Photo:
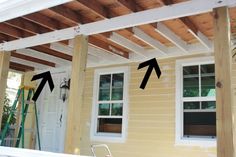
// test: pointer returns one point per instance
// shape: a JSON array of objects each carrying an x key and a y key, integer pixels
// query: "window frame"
[
  {"x": 109, "y": 137},
  {"x": 179, "y": 134}
]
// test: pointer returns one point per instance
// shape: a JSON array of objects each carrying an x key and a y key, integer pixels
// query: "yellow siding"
[{"x": 151, "y": 124}]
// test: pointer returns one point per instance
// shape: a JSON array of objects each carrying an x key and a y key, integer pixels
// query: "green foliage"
[{"x": 6, "y": 113}]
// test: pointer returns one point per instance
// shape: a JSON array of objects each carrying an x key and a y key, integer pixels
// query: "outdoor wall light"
[{"x": 64, "y": 89}]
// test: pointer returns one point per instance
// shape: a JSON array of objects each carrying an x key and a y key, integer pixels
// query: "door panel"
[{"x": 53, "y": 116}]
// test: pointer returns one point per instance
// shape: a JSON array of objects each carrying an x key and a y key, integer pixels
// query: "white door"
[{"x": 52, "y": 116}]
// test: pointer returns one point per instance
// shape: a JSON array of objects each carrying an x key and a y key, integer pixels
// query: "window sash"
[
  {"x": 109, "y": 102},
  {"x": 194, "y": 99},
  {"x": 200, "y": 75}
]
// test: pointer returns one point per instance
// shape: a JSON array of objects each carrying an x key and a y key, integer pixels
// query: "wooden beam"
[
  {"x": 28, "y": 26},
  {"x": 224, "y": 101},
  {"x": 101, "y": 44},
  {"x": 52, "y": 52},
  {"x": 73, "y": 17},
  {"x": 15, "y": 66},
  {"x": 59, "y": 61},
  {"x": 4, "y": 68},
  {"x": 94, "y": 7},
  {"x": 33, "y": 59},
  {"x": 73, "y": 130},
  {"x": 192, "y": 28},
  {"x": 11, "y": 31},
  {"x": 59, "y": 17},
  {"x": 69, "y": 14},
  {"x": 45, "y": 21}
]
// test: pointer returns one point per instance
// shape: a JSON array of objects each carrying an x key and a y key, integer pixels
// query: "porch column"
[
  {"x": 4, "y": 68},
  {"x": 73, "y": 130},
  {"x": 224, "y": 101}
]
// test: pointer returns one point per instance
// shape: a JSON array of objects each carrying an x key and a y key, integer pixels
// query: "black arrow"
[
  {"x": 152, "y": 63},
  {"x": 46, "y": 76}
]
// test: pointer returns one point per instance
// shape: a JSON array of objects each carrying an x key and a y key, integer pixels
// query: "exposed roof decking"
[{"x": 146, "y": 38}]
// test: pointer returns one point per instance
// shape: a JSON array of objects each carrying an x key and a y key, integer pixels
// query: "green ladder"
[{"x": 24, "y": 111}]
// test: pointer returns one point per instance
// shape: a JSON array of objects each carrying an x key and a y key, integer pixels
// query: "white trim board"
[
  {"x": 16, "y": 8},
  {"x": 178, "y": 10}
]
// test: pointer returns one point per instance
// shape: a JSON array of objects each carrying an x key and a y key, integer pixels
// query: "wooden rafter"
[
  {"x": 59, "y": 17},
  {"x": 20, "y": 67},
  {"x": 104, "y": 13},
  {"x": 94, "y": 6},
  {"x": 28, "y": 26},
  {"x": 191, "y": 27},
  {"x": 159, "y": 14},
  {"x": 32, "y": 59},
  {"x": 49, "y": 51},
  {"x": 72, "y": 16},
  {"x": 45, "y": 21},
  {"x": 130, "y": 5},
  {"x": 69, "y": 14}
]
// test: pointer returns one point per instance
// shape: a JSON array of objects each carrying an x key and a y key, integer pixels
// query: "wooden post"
[
  {"x": 73, "y": 131},
  {"x": 223, "y": 65},
  {"x": 4, "y": 68}
]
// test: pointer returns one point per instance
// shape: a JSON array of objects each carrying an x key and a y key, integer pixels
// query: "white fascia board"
[
  {"x": 171, "y": 36},
  {"x": 178, "y": 10},
  {"x": 11, "y": 9},
  {"x": 37, "y": 66},
  {"x": 202, "y": 39},
  {"x": 58, "y": 61},
  {"x": 138, "y": 33},
  {"x": 118, "y": 39}
]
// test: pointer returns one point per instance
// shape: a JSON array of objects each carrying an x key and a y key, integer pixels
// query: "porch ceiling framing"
[{"x": 143, "y": 17}]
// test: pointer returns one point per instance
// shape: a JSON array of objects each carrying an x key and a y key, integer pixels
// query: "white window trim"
[
  {"x": 179, "y": 139},
  {"x": 110, "y": 137}
]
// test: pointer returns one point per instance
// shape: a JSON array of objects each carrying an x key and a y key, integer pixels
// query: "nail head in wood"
[{"x": 219, "y": 84}]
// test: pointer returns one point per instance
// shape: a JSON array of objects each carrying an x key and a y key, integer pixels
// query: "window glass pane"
[
  {"x": 190, "y": 81},
  {"x": 191, "y": 105},
  {"x": 109, "y": 125},
  {"x": 208, "y": 80},
  {"x": 104, "y": 109},
  {"x": 117, "y": 94},
  {"x": 117, "y": 109},
  {"x": 104, "y": 87},
  {"x": 208, "y": 105},
  {"x": 200, "y": 123},
  {"x": 117, "y": 86}
]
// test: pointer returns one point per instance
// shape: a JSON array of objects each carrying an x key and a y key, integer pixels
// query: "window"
[
  {"x": 195, "y": 100},
  {"x": 109, "y": 119}
]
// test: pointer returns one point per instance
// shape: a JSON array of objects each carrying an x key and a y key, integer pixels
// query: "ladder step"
[
  {"x": 27, "y": 102},
  {"x": 29, "y": 130},
  {"x": 11, "y": 138}
]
